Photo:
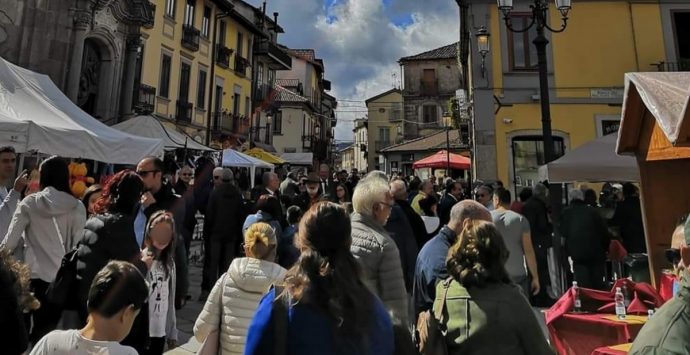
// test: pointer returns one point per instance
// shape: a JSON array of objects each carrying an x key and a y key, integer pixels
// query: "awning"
[
  {"x": 233, "y": 158},
  {"x": 267, "y": 147},
  {"x": 306, "y": 159},
  {"x": 264, "y": 155},
  {"x": 151, "y": 127},
  {"x": 442, "y": 159}
]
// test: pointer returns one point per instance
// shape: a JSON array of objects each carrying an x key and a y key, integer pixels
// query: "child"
[
  {"x": 116, "y": 296},
  {"x": 159, "y": 242}
]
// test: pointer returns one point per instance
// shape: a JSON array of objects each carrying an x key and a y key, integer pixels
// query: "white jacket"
[{"x": 241, "y": 287}]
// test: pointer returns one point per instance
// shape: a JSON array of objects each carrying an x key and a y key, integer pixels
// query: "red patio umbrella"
[{"x": 440, "y": 160}]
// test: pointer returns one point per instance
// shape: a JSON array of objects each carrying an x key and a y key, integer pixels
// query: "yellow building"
[
  {"x": 385, "y": 119},
  {"x": 603, "y": 40},
  {"x": 175, "y": 63}
]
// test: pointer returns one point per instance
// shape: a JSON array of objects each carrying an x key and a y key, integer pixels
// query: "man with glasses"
[
  {"x": 184, "y": 178},
  {"x": 484, "y": 194},
  {"x": 667, "y": 331},
  {"x": 9, "y": 199},
  {"x": 159, "y": 196}
]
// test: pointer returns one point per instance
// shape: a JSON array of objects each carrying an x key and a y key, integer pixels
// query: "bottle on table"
[
  {"x": 620, "y": 303},
  {"x": 577, "y": 303},
  {"x": 650, "y": 313}
]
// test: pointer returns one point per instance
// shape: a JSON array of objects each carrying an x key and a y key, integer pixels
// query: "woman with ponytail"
[
  {"x": 328, "y": 308},
  {"x": 236, "y": 294},
  {"x": 483, "y": 311}
]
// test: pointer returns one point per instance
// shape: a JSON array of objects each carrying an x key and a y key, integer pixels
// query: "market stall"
[
  {"x": 152, "y": 127},
  {"x": 35, "y": 116},
  {"x": 233, "y": 158},
  {"x": 265, "y": 156}
]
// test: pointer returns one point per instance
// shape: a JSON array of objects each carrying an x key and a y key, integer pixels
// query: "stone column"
[
  {"x": 82, "y": 20},
  {"x": 133, "y": 43}
]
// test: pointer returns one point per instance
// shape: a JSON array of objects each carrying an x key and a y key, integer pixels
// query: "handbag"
[
  {"x": 63, "y": 290},
  {"x": 431, "y": 332},
  {"x": 211, "y": 345}
]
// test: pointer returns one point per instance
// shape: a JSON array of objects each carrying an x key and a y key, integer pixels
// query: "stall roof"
[
  {"x": 36, "y": 116},
  {"x": 151, "y": 127},
  {"x": 234, "y": 158},
  {"x": 298, "y": 158}
]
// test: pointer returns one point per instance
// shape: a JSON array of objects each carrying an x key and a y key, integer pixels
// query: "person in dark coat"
[
  {"x": 400, "y": 230},
  {"x": 399, "y": 192},
  {"x": 326, "y": 183},
  {"x": 586, "y": 241},
  {"x": 222, "y": 228},
  {"x": 628, "y": 217},
  {"x": 185, "y": 190},
  {"x": 109, "y": 235},
  {"x": 536, "y": 212},
  {"x": 452, "y": 195},
  {"x": 161, "y": 196},
  {"x": 15, "y": 299},
  {"x": 312, "y": 194}
]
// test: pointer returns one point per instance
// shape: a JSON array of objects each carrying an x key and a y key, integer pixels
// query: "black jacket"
[
  {"x": 628, "y": 216},
  {"x": 13, "y": 337},
  {"x": 416, "y": 222},
  {"x": 585, "y": 232},
  {"x": 537, "y": 214},
  {"x": 303, "y": 201},
  {"x": 444, "y": 206},
  {"x": 400, "y": 230},
  {"x": 222, "y": 221}
]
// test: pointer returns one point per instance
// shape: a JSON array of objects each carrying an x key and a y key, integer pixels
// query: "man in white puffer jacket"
[{"x": 235, "y": 296}]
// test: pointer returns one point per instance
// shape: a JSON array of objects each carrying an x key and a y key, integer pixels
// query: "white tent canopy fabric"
[
  {"x": 298, "y": 158},
  {"x": 233, "y": 158},
  {"x": 594, "y": 161},
  {"x": 151, "y": 127},
  {"x": 36, "y": 116}
]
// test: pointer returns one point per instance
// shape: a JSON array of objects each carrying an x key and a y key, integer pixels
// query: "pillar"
[
  {"x": 82, "y": 20},
  {"x": 133, "y": 43}
]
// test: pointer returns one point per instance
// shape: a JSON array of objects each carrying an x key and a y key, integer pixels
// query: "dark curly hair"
[{"x": 479, "y": 256}]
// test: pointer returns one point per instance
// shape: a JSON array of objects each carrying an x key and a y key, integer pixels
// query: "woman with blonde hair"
[
  {"x": 236, "y": 295},
  {"x": 478, "y": 296}
]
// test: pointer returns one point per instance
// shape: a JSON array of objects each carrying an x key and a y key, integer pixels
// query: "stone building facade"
[{"x": 87, "y": 47}]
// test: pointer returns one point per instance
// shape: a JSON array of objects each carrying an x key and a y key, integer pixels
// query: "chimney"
[{"x": 275, "y": 21}]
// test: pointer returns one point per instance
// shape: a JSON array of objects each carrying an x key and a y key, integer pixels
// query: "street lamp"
[
  {"x": 317, "y": 131},
  {"x": 483, "y": 45},
  {"x": 269, "y": 122},
  {"x": 539, "y": 19}
]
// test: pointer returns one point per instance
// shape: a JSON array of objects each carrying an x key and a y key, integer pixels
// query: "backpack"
[
  {"x": 431, "y": 332},
  {"x": 63, "y": 291}
]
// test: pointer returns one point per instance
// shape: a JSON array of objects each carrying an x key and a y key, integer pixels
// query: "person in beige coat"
[{"x": 236, "y": 295}]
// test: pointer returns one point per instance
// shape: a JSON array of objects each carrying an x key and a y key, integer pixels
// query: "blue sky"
[{"x": 361, "y": 41}]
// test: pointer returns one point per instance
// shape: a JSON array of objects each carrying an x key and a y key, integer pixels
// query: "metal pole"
[
  {"x": 540, "y": 42},
  {"x": 448, "y": 151}
]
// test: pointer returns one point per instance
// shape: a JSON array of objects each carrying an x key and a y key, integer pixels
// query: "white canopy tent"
[
  {"x": 36, "y": 116},
  {"x": 234, "y": 158},
  {"x": 593, "y": 161},
  {"x": 305, "y": 159},
  {"x": 151, "y": 127}
]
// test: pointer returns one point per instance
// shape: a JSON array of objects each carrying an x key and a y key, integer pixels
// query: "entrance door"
[
  {"x": 87, "y": 97},
  {"x": 528, "y": 156}
]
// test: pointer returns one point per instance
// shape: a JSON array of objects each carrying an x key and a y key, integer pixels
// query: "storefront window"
[{"x": 528, "y": 156}]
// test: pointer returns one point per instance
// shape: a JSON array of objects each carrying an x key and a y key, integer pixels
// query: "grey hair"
[
  {"x": 468, "y": 209},
  {"x": 376, "y": 174},
  {"x": 227, "y": 175},
  {"x": 367, "y": 193},
  {"x": 398, "y": 189},
  {"x": 218, "y": 170},
  {"x": 576, "y": 194},
  {"x": 540, "y": 190}
]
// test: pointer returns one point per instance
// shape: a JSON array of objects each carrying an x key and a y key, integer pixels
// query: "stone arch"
[{"x": 108, "y": 50}]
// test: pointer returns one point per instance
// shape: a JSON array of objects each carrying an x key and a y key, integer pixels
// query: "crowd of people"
[{"x": 317, "y": 263}]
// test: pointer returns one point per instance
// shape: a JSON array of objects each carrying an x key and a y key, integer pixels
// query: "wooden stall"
[{"x": 655, "y": 128}]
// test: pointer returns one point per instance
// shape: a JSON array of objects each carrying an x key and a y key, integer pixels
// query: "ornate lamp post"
[{"x": 540, "y": 9}]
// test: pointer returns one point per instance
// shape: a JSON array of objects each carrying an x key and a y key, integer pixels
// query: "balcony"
[
  {"x": 223, "y": 54},
  {"x": 184, "y": 111},
  {"x": 152, "y": 7},
  {"x": 428, "y": 88},
  {"x": 276, "y": 58},
  {"x": 144, "y": 99},
  {"x": 190, "y": 38},
  {"x": 683, "y": 65},
  {"x": 241, "y": 65},
  {"x": 262, "y": 92}
]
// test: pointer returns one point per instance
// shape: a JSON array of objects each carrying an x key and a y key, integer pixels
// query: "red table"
[{"x": 581, "y": 334}]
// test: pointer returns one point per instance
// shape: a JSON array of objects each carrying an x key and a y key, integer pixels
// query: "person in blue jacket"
[{"x": 330, "y": 309}]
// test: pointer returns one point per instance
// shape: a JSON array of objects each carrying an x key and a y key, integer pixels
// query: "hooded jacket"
[
  {"x": 234, "y": 300},
  {"x": 37, "y": 216}
]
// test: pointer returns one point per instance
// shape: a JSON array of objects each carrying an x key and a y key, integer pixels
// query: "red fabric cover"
[
  {"x": 605, "y": 350},
  {"x": 581, "y": 334},
  {"x": 617, "y": 251},
  {"x": 666, "y": 286}
]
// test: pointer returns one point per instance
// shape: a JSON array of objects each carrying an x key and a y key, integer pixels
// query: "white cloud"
[{"x": 360, "y": 44}]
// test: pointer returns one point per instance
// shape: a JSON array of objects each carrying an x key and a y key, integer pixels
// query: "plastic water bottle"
[
  {"x": 576, "y": 294},
  {"x": 620, "y": 304},
  {"x": 650, "y": 313}
]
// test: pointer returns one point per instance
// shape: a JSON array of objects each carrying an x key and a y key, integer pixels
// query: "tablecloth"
[
  {"x": 581, "y": 334},
  {"x": 613, "y": 350},
  {"x": 665, "y": 286}
]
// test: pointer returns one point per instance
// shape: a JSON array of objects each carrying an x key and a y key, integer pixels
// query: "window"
[
  {"x": 185, "y": 71},
  {"x": 260, "y": 74},
  {"x": 189, "y": 13},
  {"x": 221, "y": 33},
  {"x": 278, "y": 122},
  {"x": 271, "y": 77},
  {"x": 247, "y": 105},
  {"x": 240, "y": 43},
  {"x": 164, "y": 85},
  {"x": 523, "y": 54},
  {"x": 681, "y": 30},
  {"x": 528, "y": 156},
  {"x": 384, "y": 134},
  {"x": 201, "y": 90},
  {"x": 206, "y": 22},
  {"x": 170, "y": 8},
  {"x": 429, "y": 114}
]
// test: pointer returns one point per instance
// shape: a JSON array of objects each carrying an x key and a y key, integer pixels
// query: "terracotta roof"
[
  {"x": 285, "y": 95},
  {"x": 433, "y": 141},
  {"x": 382, "y": 95},
  {"x": 446, "y": 52}
]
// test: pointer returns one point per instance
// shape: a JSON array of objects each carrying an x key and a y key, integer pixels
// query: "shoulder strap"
[
  {"x": 438, "y": 312},
  {"x": 280, "y": 320},
  {"x": 62, "y": 241}
]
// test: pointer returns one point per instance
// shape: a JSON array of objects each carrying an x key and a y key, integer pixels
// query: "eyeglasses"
[
  {"x": 390, "y": 205},
  {"x": 672, "y": 255},
  {"x": 216, "y": 177},
  {"x": 143, "y": 173}
]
